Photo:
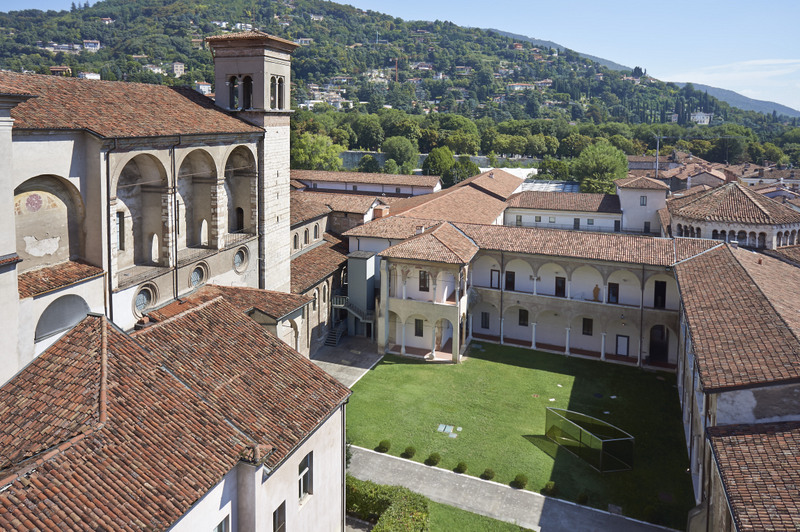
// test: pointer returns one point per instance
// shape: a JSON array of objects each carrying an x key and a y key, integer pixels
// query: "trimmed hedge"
[{"x": 395, "y": 508}]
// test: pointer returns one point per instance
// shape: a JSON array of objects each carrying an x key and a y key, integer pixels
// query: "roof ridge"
[
  {"x": 752, "y": 197},
  {"x": 433, "y": 233},
  {"x": 196, "y": 308},
  {"x": 675, "y": 250}
]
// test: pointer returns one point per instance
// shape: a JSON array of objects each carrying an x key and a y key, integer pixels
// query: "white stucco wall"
[
  {"x": 209, "y": 511},
  {"x": 561, "y": 219}
]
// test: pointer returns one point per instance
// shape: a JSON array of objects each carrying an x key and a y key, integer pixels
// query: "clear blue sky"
[{"x": 746, "y": 46}]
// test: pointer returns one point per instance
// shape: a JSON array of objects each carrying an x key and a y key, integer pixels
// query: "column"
[
  {"x": 433, "y": 276},
  {"x": 404, "y": 287},
  {"x": 501, "y": 330},
  {"x": 433, "y": 340},
  {"x": 603, "y": 346},
  {"x": 533, "y": 335},
  {"x": 535, "y": 281},
  {"x": 566, "y": 348},
  {"x": 403, "y": 340},
  {"x": 569, "y": 289},
  {"x": 605, "y": 292},
  {"x": 383, "y": 308},
  {"x": 470, "y": 325},
  {"x": 457, "y": 339}
]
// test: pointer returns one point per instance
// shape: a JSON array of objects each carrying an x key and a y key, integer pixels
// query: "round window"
[
  {"x": 240, "y": 260},
  {"x": 144, "y": 298},
  {"x": 198, "y": 276}
]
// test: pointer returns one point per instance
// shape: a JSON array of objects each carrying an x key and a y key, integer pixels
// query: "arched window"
[
  {"x": 247, "y": 93},
  {"x": 233, "y": 93},
  {"x": 305, "y": 237},
  {"x": 239, "y": 218},
  {"x": 281, "y": 104},
  {"x": 296, "y": 241},
  {"x": 316, "y": 231},
  {"x": 60, "y": 315},
  {"x": 273, "y": 92}
]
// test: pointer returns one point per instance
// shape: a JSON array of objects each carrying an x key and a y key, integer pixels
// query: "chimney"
[
  {"x": 734, "y": 244},
  {"x": 420, "y": 229},
  {"x": 689, "y": 182},
  {"x": 381, "y": 211},
  {"x": 491, "y": 175}
]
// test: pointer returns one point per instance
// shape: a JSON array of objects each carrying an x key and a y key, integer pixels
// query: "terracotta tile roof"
[
  {"x": 691, "y": 170},
  {"x": 339, "y": 202},
  {"x": 304, "y": 208},
  {"x": 737, "y": 170},
  {"x": 245, "y": 374},
  {"x": 401, "y": 205},
  {"x": 316, "y": 264},
  {"x": 695, "y": 189},
  {"x": 465, "y": 204},
  {"x": 664, "y": 218},
  {"x": 253, "y": 36},
  {"x": 725, "y": 287},
  {"x": 443, "y": 243},
  {"x": 641, "y": 183},
  {"x": 43, "y": 280},
  {"x": 565, "y": 201},
  {"x": 760, "y": 470},
  {"x": 296, "y": 185},
  {"x": 393, "y": 227},
  {"x": 390, "y": 180},
  {"x": 772, "y": 173},
  {"x": 733, "y": 203},
  {"x": 496, "y": 182},
  {"x": 274, "y": 304},
  {"x": 786, "y": 253},
  {"x": 117, "y": 109},
  {"x": 615, "y": 247},
  {"x": 641, "y": 159}
]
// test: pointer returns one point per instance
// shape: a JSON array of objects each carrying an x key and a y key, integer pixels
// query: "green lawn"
[
  {"x": 498, "y": 397},
  {"x": 447, "y": 518}
]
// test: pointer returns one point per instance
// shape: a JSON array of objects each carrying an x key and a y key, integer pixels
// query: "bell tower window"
[
  {"x": 233, "y": 94},
  {"x": 281, "y": 104},
  {"x": 247, "y": 93},
  {"x": 273, "y": 92}
]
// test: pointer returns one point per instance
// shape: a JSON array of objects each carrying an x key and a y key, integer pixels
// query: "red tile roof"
[
  {"x": 641, "y": 183},
  {"x": 43, "y": 280},
  {"x": 686, "y": 171},
  {"x": 274, "y": 304},
  {"x": 116, "y": 108},
  {"x": 339, "y": 201},
  {"x": 499, "y": 183},
  {"x": 304, "y": 208},
  {"x": 253, "y": 36},
  {"x": 390, "y": 180},
  {"x": 760, "y": 470},
  {"x": 616, "y": 247},
  {"x": 733, "y": 203},
  {"x": 393, "y": 227},
  {"x": 316, "y": 264},
  {"x": 565, "y": 201},
  {"x": 101, "y": 431},
  {"x": 464, "y": 204},
  {"x": 724, "y": 289},
  {"x": 443, "y": 243},
  {"x": 786, "y": 253}
]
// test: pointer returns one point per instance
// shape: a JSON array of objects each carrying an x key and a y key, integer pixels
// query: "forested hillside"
[{"x": 466, "y": 89}]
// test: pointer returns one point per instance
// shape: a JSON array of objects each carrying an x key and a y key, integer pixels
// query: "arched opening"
[
  {"x": 61, "y": 315},
  {"x": 247, "y": 92},
  {"x": 48, "y": 221},
  {"x": 762, "y": 240},
  {"x": 142, "y": 199},
  {"x": 517, "y": 325},
  {"x": 233, "y": 93},
  {"x": 680, "y": 230},
  {"x": 518, "y": 276},
  {"x": 792, "y": 237},
  {"x": 197, "y": 178},
  {"x": 241, "y": 187},
  {"x": 715, "y": 234},
  {"x": 273, "y": 92},
  {"x": 751, "y": 240},
  {"x": 551, "y": 330},
  {"x": 586, "y": 335},
  {"x": 661, "y": 292},
  {"x": 741, "y": 237},
  {"x": 316, "y": 231},
  {"x": 552, "y": 280},
  {"x": 305, "y": 237},
  {"x": 485, "y": 321},
  {"x": 296, "y": 241},
  {"x": 587, "y": 284},
  {"x": 443, "y": 336},
  {"x": 624, "y": 288},
  {"x": 281, "y": 91},
  {"x": 698, "y": 233},
  {"x": 204, "y": 232},
  {"x": 486, "y": 273},
  {"x": 419, "y": 333}
]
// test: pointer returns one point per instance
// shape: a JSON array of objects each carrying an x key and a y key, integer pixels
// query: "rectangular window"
[
  {"x": 537, "y": 218},
  {"x": 518, "y": 220},
  {"x": 419, "y": 328},
  {"x": 494, "y": 279},
  {"x": 552, "y": 220},
  {"x": 424, "y": 285},
  {"x": 590, "y": 221},
  {"x": 660, "y": 294},
  {"x": 642, "y": 200},
  {"x": 397, "y": 190},
  {"x": 588, "y": 326},
  {"x": 120, "y": 231},
  {"x": 484, "y": 320},
  {"x": 510, "y": 281},
  {"x": 305, "y": 472},
  {"x": 576, "y": 224},
  {"x": 224, "y": 525},
  {"x": 355, "y": 187},
  {"x": 613, "y": 293},
  {"x": 561, "y": 287},
  {"x": 616, "y": 226},
  {"x": 279, "y": 518},
  {"x": 523, "y": 317},
  {"x": 647, "y": 227}
]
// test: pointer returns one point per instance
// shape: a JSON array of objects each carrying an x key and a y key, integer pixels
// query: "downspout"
[
  {"x": 261, "y": 222},
  {"x": 502, "y": 291},
  {"x": 175, "y": 218},
  {"x": 641, "y": 320},
  {"x": 344, "y": 463},
  {"x": 109, "y": 275}
]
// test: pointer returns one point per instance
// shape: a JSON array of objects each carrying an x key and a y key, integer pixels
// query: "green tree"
[
  {"x": 462, "y": 169},
  {"x": 369, "y": 132},
  {"x": 390, "y": 167},
  {"x": 550, "y": 168},
  {"x": 369, "y": 164},
  {"x": 439, "y": 161},
  {"x": 315, "y": 152},
  {"x": 598, "y": 166},
  {"x": 401, "y": 150}
]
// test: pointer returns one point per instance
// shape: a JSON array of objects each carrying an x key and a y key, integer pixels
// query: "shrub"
[
  {"x": 409, "y": 452},
  {"x": 433, "y": 459},
  {"x": 583, "y": 498},
  {"x": 519, "y": 482},
  {"x": 488, "y": 474},
  {"x": 383, "y": 446},
  {"x": 394, "y": 507},
  {"x": 461, "y": 467},
  {"x": 549, "y": 488}
]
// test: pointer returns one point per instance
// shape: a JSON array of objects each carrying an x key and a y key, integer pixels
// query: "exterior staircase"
[{"x": 335, "y": 334}]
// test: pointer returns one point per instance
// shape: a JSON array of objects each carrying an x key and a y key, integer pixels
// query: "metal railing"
[{"x": 236, "y": 237}]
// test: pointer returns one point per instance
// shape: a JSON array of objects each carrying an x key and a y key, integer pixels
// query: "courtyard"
[{"x": 489, "y": 412}]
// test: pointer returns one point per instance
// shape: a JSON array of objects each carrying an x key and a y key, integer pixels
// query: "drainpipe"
[
  {"x": 502, "y": 291},
  {"x": 641, "y": 320},
  {"x": 175, "y": 217},
  {"x": 261, "y": 222},
  {"x": 109, "y": 277}
]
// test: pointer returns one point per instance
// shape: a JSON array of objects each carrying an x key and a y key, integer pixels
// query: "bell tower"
[{"x": 252, "y": 79}]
